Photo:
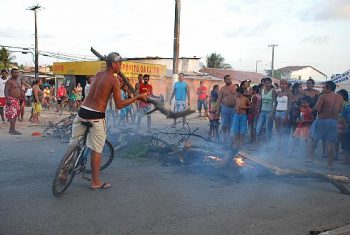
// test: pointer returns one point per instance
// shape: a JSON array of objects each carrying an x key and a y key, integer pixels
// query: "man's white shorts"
[{"x": 97, "y": 134}]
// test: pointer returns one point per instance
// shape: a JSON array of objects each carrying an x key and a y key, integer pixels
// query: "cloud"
[
  {"x": 250, "y": 31},
  {"x": 316, "y": 39},
  {"x": 328, "y": 10}
]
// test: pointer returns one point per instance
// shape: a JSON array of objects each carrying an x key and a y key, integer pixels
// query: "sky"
[{"x": 307, "y": 32}]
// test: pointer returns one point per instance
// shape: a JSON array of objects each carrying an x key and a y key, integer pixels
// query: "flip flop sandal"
[{"x": 103, "y": 186}]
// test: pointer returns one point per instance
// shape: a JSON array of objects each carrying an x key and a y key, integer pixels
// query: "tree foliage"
[
  {"x": 5, "y": 58},
  {"x": 215, "y": 60},
  {"x": 277, "y": 73}
]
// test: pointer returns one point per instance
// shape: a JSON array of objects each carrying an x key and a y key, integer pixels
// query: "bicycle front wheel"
[
  {"x": 107, "y": 156},
  {"x": 65, "y": 171}
]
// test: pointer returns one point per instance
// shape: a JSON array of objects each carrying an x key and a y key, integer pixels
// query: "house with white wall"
[{"x": 302, "y": 73}]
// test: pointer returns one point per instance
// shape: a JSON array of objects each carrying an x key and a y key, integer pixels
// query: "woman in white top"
[{"x": 282, "y": 109}]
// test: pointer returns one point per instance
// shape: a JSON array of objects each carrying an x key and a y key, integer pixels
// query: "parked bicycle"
[
  {"x": 68, "y": 106},
  {"x": 50, "y": 104},
  {"x": 74, "y": 162}
]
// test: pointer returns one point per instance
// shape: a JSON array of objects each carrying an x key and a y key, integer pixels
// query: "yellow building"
[{"x": 72, "y": 73}]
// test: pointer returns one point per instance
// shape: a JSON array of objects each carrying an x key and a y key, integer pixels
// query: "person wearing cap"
[{"x": 103, "y": 85}]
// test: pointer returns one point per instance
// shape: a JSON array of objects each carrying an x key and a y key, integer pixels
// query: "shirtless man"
[
  {"x": 226, "y": 104},
  {"x": 328, "y": 107},
  {"x": 13, "y": 94},
  {"x": 3, "y": 80},
  {"x": 92, "y": 110}
]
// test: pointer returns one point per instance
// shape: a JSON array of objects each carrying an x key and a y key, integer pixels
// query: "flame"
[{"x": 239, "y": 161}]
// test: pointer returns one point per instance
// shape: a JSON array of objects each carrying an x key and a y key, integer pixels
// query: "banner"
[
  {"x": 343, "y": 81},
  {"x": 89, "y": 68}
]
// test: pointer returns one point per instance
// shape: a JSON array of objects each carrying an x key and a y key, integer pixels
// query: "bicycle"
[
  {"x": 69, "y": 106},
  {"x": 50, "y": 104},
  {"x": 74, "y": 162}
]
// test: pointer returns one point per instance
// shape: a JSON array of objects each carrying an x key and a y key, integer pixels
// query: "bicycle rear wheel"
[
  {"x": 107, "y": 156},
  {"x": 66, "y": 170}
]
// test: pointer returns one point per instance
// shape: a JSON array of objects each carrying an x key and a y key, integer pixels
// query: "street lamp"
[{"x": 36, "y": 52}]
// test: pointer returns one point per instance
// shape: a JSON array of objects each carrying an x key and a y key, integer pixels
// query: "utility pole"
[
  {"x": 36, "y": 52},
  {"x": 273, "y": 58},
  {"x": 176, "y": 37},
  {"x": 256, "y": 65}
]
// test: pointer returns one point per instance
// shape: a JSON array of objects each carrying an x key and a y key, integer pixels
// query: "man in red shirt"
[
  {"x": 61, "y": 96},
  {"x": 144, "y": 87},
  {"x": 202, "y": 93}
]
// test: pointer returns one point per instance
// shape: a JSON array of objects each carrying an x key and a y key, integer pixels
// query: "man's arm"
[
  {"x": 119, "y": 103},
  {"x": 7, "y": 91},
  {"x": 318, "y": 104}
]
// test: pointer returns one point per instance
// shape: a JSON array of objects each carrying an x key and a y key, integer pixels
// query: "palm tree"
[
  {"x": 5, "y": 58},
  {"x": 215, "y": 60}
]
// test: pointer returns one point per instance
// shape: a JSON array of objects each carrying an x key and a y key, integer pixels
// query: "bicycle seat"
[{"x": 88, "y": 124}]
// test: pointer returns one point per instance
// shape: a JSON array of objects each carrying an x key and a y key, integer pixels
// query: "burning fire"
[{"x": 239, "y": 161}]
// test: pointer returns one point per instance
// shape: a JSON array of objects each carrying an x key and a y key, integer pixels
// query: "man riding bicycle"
[{"x": 92, "y": 110}]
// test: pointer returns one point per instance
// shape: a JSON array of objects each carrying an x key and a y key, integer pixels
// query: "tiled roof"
[
  {"x": 289, "y": 69},
  {"x": 237, "y": 76}
]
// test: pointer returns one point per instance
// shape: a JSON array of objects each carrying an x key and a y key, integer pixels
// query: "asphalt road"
[{"x": 149, "y": 198}]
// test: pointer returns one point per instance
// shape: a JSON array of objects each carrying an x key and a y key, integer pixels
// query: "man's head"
[
  {"x": 181, "y": 77},
  {"x": 62, "y": 85},
  {"x": 329, "y": 86},
  {"x": 114, "y": 61},
  {"x": 227, "y": 80},
  {"x": 88, "y": 80},
  {"x": 14, "y": 73},
  {"x": 201, "y": 83},
  {"x": 145, "y": 79},
  {"x": 4, "y": 73}
]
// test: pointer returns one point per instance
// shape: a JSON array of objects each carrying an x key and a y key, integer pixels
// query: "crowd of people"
[
  {"x": 300, "y": 118},
  {"x": 15, "y": 95}
]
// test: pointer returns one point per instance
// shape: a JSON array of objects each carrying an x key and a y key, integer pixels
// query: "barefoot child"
[
  {"x": 303, "y": 122},
  {"x": 254, "y": 112},
  {"x": 213, "y": 114},
  {"x": 239, "y": 125}
]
